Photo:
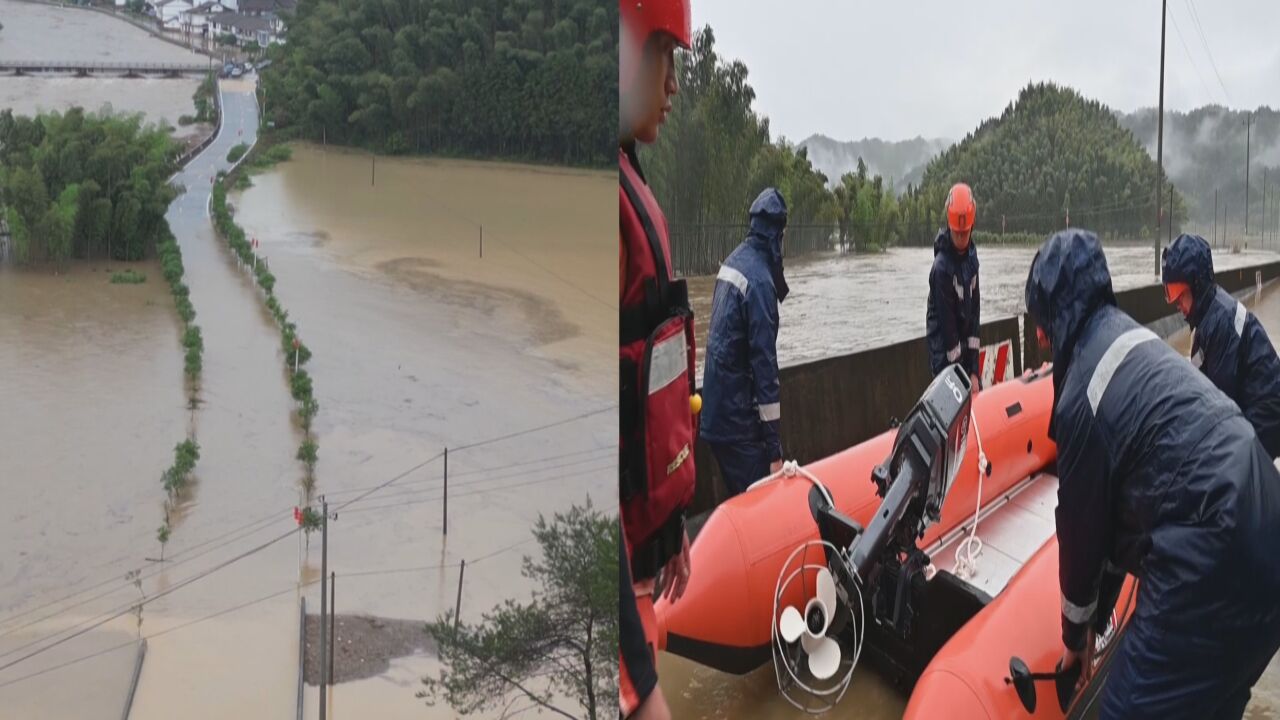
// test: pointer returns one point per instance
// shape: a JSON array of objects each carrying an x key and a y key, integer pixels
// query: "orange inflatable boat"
[
  {"x": 970, "y": 677},
  {"x": 729, "y": 614}
]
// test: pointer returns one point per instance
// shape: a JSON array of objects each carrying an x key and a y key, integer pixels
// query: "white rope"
[
  {"x": 970, "y": 548},
  {"x": 790, "y": 469}
]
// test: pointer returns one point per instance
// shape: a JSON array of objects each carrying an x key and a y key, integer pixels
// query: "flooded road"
[
  {"x": 700, "y": 693},
  {"x": 420, "y": 344},
  {"x": 43, "y": 32},
  {"x": 845, "y": 303}
]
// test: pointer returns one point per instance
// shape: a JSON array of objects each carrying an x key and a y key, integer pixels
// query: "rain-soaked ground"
[
  {"x": 845, "y": 303},
  {"x": 699, "y": 693}
]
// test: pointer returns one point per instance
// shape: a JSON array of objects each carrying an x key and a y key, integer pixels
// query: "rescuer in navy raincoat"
[
  {"x": 1229, "y": 345},
  {"x": 1160, "y": 476},
  {"x": 741, "y": 406},
  {"x": 954, "y": 311}
]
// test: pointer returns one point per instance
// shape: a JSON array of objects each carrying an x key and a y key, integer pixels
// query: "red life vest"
[{"x": 657, "y": 425}]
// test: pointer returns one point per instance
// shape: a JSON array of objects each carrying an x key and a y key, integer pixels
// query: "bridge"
[{"x": 113, "y": 69}]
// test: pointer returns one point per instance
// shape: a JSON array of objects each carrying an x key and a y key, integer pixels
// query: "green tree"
[{"x": 563, "y": 642}]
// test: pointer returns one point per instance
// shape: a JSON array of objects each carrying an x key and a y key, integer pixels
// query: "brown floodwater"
[
  {"x": 35, "y": 31},
  {"x": 91, "y": 404},
  {"x": 845, "y": 303},
  {"x": 419, "y": 344}
]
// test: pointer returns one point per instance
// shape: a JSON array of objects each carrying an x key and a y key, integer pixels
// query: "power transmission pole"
[
  {"x": 1248, "y": 126},
  {"x": 324, "y": 599},
  {"x": 1160, "y": 136}
]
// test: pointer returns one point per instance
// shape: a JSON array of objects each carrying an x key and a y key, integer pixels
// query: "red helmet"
[
  {"x": 642, "y": 18},
  {"x": 960, "y": 208}
]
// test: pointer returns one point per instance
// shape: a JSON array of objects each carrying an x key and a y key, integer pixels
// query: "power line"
[
  {"x": 436, "y": 483},
  {"x": 1195, "y": 19},
  {"x": 146, "y": 601},
  {"x": 249, "y": 603},
  {"x": 558, "y": 423},
  {"x": 476, "y": 471},
  {"x": 1187, "y": 51},
  {"x": 476, "y": 492},
  {"x": 125, "y": 583},
  {"x": 363, "y": 495}
]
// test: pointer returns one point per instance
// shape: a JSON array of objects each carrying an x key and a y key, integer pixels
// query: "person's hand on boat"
[
  {"x": 974, "y": 385},
  {"x": 775, "y": 466},
  {"x": 675, "y": 575},
  {"x": 1084, "y": 656}
]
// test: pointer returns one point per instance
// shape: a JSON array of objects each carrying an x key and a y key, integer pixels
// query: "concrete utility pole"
[
  {"x": 324, "y": 599},
  {"x": 1160, "y": 135},
  {"x": 1248, "y": 126}
]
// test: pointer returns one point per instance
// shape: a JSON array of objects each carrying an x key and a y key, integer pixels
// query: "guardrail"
[
  {"x": 187, "y": 156},
  {"x": 80, "y": 67}
]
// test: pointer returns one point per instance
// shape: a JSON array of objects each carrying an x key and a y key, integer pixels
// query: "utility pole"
[
  {"x": 324, "y": 598},
  {"x": 1248, "y": 126},
  {"x": 1170, "y": 214},
  {"x": 1160, "y": 135},
  {"x": 1215, "y": 218},
  {"x": 445, "y": 512}
]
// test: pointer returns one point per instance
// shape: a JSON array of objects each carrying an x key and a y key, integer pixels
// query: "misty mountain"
[
  {"x": 1204, "y": 151},
  {"x": 901, "y": 160}
]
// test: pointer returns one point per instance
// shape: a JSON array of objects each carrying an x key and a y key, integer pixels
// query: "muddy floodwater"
[
  {"x": 42, "y": 32},
  {"x": 420, "y": 344},
  {"x": 845, "y": 303},
  {"x": 700, "y": 693},
  {"x": 91, "y": 404}
]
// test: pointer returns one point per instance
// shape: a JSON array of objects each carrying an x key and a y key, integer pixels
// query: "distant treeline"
[
  {"x": 84, "y": 185},
  {"x": 1052, "y": 156},
  {"x": 526, "y": 79}
]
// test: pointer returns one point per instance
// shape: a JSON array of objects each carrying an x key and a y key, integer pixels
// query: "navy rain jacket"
[
  {"x": 1159, "y": 473},
  {"x": 741, "y": 401},
  {"x": 1229, "y": 345},
  {"x": 955, "y": 308}
]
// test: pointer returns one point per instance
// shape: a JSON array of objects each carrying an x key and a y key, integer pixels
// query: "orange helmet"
[
  {"x": 960, "y": 208},
  {"x": 1175, "y": 290},
  {"x": 642, "y": 18}
]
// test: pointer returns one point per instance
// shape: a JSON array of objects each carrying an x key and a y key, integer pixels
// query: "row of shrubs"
[
  {"x": 296, "y": 353},
  {"x": 187, "y": 452}
]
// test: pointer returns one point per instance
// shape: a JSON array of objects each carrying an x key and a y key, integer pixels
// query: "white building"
[
  {"x": 244, "y": 28},
  {"x": 196, "y": 20},
  {"x": 169, "y": 13}
]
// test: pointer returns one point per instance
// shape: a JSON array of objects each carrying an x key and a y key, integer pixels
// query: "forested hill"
[
  {"x": 1052, "y": 154},
  {"x": 519, "y": 79},
  {"x": 1205, "y": 150}
]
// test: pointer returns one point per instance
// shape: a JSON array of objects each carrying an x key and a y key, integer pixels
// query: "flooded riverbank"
[{"x": 845, "y": 303}]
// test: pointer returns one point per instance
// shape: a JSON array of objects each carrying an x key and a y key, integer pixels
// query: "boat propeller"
[
  {"x": 811, "y": 647},
  {"x": 811, "y": 628}
]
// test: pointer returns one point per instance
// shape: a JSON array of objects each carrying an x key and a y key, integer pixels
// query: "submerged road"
[{"x": 240, "y": 665}]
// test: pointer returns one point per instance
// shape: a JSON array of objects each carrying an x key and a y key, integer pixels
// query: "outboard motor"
[{"x": 814, "y": 644}]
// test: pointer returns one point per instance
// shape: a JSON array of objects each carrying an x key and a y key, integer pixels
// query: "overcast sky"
[{"x": 861, "y": 68}]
